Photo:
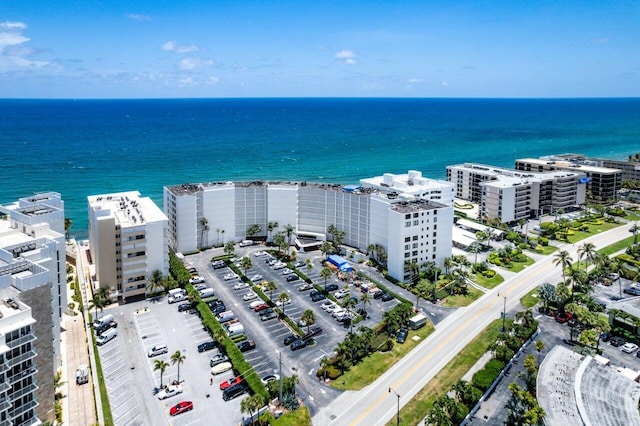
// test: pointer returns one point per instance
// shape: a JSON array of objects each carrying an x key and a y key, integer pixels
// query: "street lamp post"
[
  {"x": 504, "y": 311},
  {"x": 398, "y": 412}
]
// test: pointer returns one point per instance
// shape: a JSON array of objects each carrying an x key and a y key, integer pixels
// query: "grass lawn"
[
  {"x": 616, "y": 247},
  {"x": 530, "y": 299},
  {"x": 458, "y": 300},
  {"x": 300, "y": 417},
  {"x": 376, "y": 364},
  {"x": 546, "y": 250},
  {"x": 104, "y": 396},
  {"x": 519, "y": 266},
  {"x": 633, "y": 216},
  {"x": 593, "y": 229},
  {"x": 419, "y": 406},
  {"x": 489, "y": 283}
]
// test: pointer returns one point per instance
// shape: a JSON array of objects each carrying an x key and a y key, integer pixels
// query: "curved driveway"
[{"x": 375, "y": 405}]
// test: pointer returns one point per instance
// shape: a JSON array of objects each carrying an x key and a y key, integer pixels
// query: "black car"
[
  {"x": 235, "y": 390},
  {"x": 184, "y": 307},
  {"x": 206, "y": 346},
  {"x": 378, "y": 294},
  {"x": 362, "y": 313},
  {"x": 218, "y": 359},
  {"x": 218, "y": 264},
  {"x": 617, "y": 341},
  {"x": 293, "y": 277},
  {"x": 313, "y": 331},
  {"x": 401, "y": 337},
  {"x": 289, "y": 339},
  {"x": 386, "y": 297},
  {"x": 332, "y": 287},
  {"x": 316, "y": 296},
  {"x": 605, "y": 337},
  {"x": 632, "y": 291},
  {"x": 246, "y": 346},
  {"x": 298, "y": 344},
  {"x": 268, "y": 315}
]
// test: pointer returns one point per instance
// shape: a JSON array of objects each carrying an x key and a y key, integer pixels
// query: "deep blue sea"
[{"x": 84, "y": 147}]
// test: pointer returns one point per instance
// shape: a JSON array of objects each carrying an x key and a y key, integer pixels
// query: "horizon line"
[{"x": 322, "y": 97}]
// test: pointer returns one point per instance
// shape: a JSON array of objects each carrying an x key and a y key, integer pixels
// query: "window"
[
  {"x": 407, "y": 239},
  {"x": 407, "y": 224}
]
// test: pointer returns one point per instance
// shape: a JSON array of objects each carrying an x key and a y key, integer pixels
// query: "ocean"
[{"x": 85, "y": 147}]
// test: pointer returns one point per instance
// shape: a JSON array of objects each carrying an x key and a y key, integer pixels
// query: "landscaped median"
[{"x": 104, "y": 396}]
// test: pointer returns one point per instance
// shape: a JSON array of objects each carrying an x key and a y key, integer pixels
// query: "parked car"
[
  {"x": 240, "y": 285},
  {"x": 218, "y": 309},
  {"x": 617, "y": 341},
  {"x": 281, "y": 303},
  {"x": 363, "y": 313},
  {"x": 298, "y": 344},
  {"x": 157, "y": 350},
  {"x": 632, "y": 291},
  {"x": 289, "y": 339},
  {"x": 206, "y": 346},
  {"x": 332, "y": 287},
  {"x": 228, "y": 383},
  {"x": 292, "y": 277},
  {"x": 199, "y": 287},
  {"x": 221, "y": 368},
  {"x": 629, "y": 347},
  {"x": 235, "y": 391},
  {"x": 181, "y": 407},
  {"x": 267, "y": 316},
  {"x": 249, "y": 296},
  {"x": 305, "y": 286},
  {"x": 341, "y": 293},
  {"x": 255, "y": 303},
  {"x": 326, "y": 305},
  {"x": 287, "y": 271},
  {"x": 563, "y": 317},
  {"x": 270, "y": 378},
  {"x": 169, "y": 391},
  {"x": 314, "y": 330},
  {"x": 218, "y": 359},
  {"x": 299, "y": 264},
  {"x": 279, "y": 265},
  {"x": 401, "y": 337},
  {"x": 261, "y": 307},
  {"x": 378, "y": 294},
  {"x": 387, "y": 297},
  {"x": 605, "y": 337},
  {"x": 230, "y": 276},
  {"x": 196, "y": 280},
  {"x": 256, "y": 278},
  {"x": 246, "y": 346},
  {"x": 218, "y": 264},
  {"x": 316, "y": 296}
]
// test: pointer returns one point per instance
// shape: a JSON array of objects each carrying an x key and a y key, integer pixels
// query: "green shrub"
[
  {"x": 483, "y": 378},
  {"x": 331, "y": 371},
  {"x": 489, "y": 273}
]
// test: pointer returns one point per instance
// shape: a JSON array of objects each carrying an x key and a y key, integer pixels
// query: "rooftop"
[{"x": 128, "y": 208}]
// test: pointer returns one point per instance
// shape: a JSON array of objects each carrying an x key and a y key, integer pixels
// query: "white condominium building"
[
  {"x": 18, "y": 384},
  {"x": 408, "y": 215},
  {"x": 33, "y": 274},
  {"x": 128, "y": 241},
  {"x": 512, "y": 195}
]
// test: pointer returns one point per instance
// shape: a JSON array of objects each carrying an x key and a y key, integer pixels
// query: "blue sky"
[{"x": 347, "y": 48}]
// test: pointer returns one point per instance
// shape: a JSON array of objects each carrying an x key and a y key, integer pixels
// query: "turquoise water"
[{"x": 88, "y": 147}]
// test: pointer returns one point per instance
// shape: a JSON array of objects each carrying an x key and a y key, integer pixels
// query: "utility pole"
[
  {"x": 398, "y": 412},
  {"x": 280, "y": 374},
  {"x": 504, "y": 311}
]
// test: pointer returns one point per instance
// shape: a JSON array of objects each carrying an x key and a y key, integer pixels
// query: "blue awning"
[{"x": 340, "y": 262}]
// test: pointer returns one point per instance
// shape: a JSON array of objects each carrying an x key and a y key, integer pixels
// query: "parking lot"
[{"x": 269, "y": 335}]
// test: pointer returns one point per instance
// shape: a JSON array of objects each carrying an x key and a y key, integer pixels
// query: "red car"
[
  {"x": 562, "y": 318},
  {"x": 228, "y": 383},
  {"x": 181, "y": 407},
  {"x": 261, "y": 307}
]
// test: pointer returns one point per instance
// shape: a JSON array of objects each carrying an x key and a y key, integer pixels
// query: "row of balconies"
[
  {"x": 21, "y": 358},
  {"x": 22, "y": 374},
  {"x": 21, "y": 340},
  {"x": 21, "y": 409},
  {"x": 22, "y": 392}
]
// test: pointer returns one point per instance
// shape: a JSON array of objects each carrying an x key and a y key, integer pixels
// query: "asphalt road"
[{"x": 376, "y": 405}]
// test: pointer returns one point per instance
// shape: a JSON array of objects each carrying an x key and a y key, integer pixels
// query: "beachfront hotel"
[
  {"x": 512, "y": 195},
  {"x": 32, "y": 297},
  {"x": 603, "y": 183},
  {"x": 127, "y": 243},
  {"x": 408, "y": 215}
]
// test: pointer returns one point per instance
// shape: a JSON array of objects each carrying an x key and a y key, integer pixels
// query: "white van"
[
  {"x": 236, "y": 331},
  {"x": 174, "y": 292},
  {"x": 207, "y": 292},
  {"x": 177, "y": 298},
  {"x": 100, "y": 323},
  {"x": 82, "y": 374},
  {"x": 157, "y": 350},
  {"x": 106, "y": 336}
]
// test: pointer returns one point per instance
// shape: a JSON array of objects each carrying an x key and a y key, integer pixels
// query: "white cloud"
[
  {"x": 13, "y": 54},
  {"x": 137, "y": 17},
  {"x": 415, "y": 80},
  {"x": 13, "y": 25},
  {"x": 190, "y": 63},
  {"x": 445, "y": 83},
  {"x": 171, "y": 46},
  {"x": 212, "y": 80},
  {"x": 601, "y": 40},
  {"x": 346, "y": 56}
]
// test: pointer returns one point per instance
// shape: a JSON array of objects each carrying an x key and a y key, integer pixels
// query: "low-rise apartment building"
[
  {"x": 512, "y": 195},
  {"x": 408, "y": 215},
  {"x": 127, "y": 241}
]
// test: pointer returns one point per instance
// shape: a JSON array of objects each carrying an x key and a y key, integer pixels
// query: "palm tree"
[
  {"x": 279, "y": 240},
  {"x": 270, "y": 227},
  {"x": 253, "y": 230},
  {"x": 96, "y": 303},
  {"x": 161, "y": 365},
  {"x": 283, "y": 298},
  {"x": 245, "y": 264},
  {"x": 635, "y": 229},
  {"x": 422, "y": 290},
  {"x": 252, "y": 404},
  {"x": 229, "y": 248},
  {"x": 204, "y": 226},
  {"x": 365, "y": 299},
  {"x": 177, "y": 358},
  {"x": 270, "y": 286},
  {"x": 309, "y": 263},
  {"x": 564, "y": 260},
  {"x": 326, "y": 247},
  {"x": 413, "y": 268},
  {"x": 288, "y": 230},
  {"x": 103, "y": 292},
  {"x": 222, "y": 232},
  {"x": 588, "y": 251},
  {"x": 156, "y": 284},
  {"x": 326, "y": 274},
  {"x": 68, "y": 223},
  {"x": 525, "y": 317},
  {"x": 308, "y": 317},
  {"x": 539, "y": 344}
]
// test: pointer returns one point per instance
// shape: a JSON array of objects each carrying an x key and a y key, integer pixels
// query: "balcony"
[
  {"x": 18, "y": 411},
  {"x": 21, "y": 358},
  {"x": 21, "y": 341},
  {"x": 22, "y": 374},
  {"x": 22, "y": 392}
]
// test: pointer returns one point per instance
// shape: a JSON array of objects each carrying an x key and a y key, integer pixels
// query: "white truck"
[{"x": 82, "y": 374}]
